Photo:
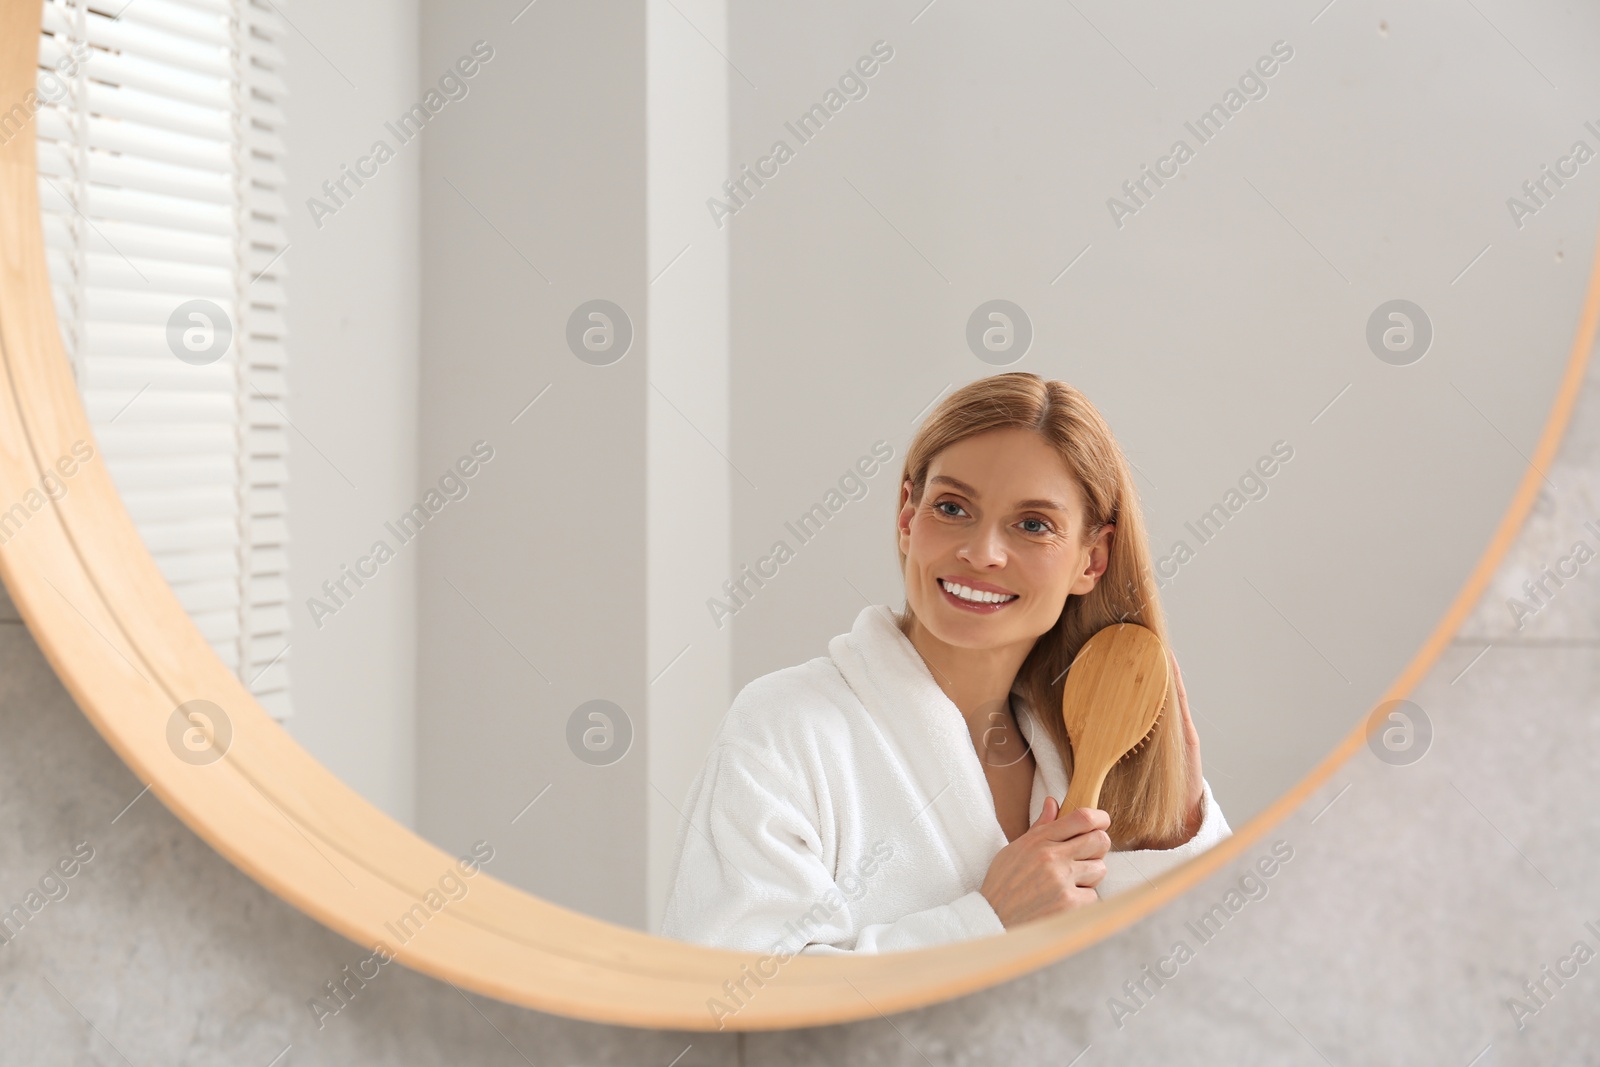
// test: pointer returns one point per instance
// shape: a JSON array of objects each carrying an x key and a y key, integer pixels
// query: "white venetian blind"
[{"x": 161, "y": 180}]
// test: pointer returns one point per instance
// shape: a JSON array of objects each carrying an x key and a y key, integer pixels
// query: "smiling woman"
[
  {"x": 1012, "y": 493},
  {"x": 1018, "y": 485}
]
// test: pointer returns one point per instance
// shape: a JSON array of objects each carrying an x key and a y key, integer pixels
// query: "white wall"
[
  {"x": 532, "y": 600},
  {"x": 486, "y": 735},
  {"x": 690, "y": 482},
  {"x": 353, "y": 374}
]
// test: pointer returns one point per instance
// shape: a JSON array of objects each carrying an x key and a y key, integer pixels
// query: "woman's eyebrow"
[{"x": 958, "y": 484}]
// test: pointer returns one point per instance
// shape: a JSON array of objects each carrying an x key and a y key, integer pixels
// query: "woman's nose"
[{"x": 984, "y": 547}]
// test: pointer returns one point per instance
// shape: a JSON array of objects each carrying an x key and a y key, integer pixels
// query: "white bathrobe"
[{"x": 843, "y": 808}]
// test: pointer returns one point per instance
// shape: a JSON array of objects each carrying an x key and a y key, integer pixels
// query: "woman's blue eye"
[{"x": 941, "y": 505}]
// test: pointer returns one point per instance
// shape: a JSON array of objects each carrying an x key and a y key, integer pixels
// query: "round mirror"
[{"x": 505, "y": 416}]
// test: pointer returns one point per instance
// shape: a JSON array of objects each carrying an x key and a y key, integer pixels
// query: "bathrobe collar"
[{"x": 894, "y": 684}]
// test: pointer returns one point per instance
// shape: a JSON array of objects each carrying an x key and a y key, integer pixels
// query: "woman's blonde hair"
[{"x": 1146, "y": 794}]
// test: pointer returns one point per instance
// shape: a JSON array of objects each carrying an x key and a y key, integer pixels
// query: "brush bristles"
[{"x": 1145, "y": 739}]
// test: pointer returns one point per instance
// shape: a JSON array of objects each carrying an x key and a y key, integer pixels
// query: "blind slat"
[
  {"x": 161, "y": 181},
  {"x": 147, "y": 44}
]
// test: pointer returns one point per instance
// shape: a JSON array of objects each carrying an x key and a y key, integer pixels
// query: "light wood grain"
[
  {"x": 126, "y": 651},
  {"x": 1109, "y": 703}
]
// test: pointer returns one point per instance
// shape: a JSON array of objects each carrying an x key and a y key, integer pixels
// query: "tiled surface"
[{"x": 1417, "y": 902}]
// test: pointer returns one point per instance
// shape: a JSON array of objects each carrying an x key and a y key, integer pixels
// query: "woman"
[{"x": 904, "y": 789}]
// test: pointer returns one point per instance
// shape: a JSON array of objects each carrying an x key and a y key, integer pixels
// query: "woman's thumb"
[{"x": 1048, "y": 813}]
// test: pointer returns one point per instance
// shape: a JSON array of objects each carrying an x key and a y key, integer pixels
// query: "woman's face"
[{"x": 999, "y": 513}]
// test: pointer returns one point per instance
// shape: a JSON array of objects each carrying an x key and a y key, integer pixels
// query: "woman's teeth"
[{"x": 974, "y": 595}]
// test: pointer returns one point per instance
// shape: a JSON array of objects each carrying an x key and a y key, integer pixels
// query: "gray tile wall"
[{"x": 1417, "y": 901}]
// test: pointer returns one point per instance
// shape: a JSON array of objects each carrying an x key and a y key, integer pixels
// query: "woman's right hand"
[{"x": 1052, "y": 867}]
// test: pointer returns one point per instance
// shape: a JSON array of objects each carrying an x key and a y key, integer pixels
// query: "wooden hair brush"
[{"x": 1113, "y": 696}]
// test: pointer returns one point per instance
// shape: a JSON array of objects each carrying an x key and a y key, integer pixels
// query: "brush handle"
[{"x": 1083, "y": 790}]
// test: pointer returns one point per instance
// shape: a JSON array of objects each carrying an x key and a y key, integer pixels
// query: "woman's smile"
[{"x": 980, "y": 598}]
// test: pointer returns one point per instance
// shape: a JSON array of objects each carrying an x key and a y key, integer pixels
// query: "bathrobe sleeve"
[
  {"x": 750, "y": 874},
  {"x": 1126, "y": 870}
]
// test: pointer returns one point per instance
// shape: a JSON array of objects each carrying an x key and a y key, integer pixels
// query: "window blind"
[{"x": 160, "y": 129}]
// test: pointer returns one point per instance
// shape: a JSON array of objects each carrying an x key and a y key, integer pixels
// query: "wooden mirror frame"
[{"x": 123, "y": 646}]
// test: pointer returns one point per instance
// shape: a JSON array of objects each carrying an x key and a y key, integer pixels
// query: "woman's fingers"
[
  {"x": 1090, "y": 846},
  {"x": 1077, "y": 821},
  {"x": 1055, "y": 866}
]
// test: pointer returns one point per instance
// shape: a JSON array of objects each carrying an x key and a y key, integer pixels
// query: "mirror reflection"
[
  {"x": 675, "y": 453},
  {"x": 1020, "y": 536}
]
